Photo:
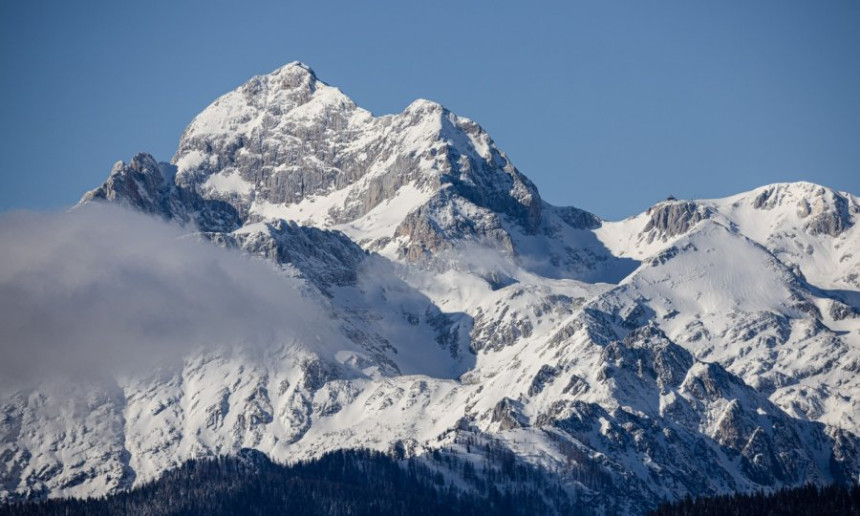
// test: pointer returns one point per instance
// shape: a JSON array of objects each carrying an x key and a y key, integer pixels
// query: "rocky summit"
[{"x": 702, "y": 347}]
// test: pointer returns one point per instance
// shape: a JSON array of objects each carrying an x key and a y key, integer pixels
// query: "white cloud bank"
[{"x": 103, "y": 287}]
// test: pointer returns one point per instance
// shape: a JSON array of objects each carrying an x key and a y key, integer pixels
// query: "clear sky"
[{"x": 606, "y": 105}]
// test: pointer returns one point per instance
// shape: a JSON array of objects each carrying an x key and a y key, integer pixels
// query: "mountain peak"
[
  {"x": 424, "y": 105},
  {"x": 295, "y": 67},
  {"x": 817, "y": 208},
  {"x": 285, "y": 141},
  {"x": 294, "y": 74}
]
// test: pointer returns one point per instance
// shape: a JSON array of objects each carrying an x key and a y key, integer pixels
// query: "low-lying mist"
[{"x": 101, "y": 288}]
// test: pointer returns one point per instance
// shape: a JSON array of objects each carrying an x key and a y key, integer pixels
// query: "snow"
[
  {"x": 311, "y": 211},
  {"x": 751, "y": 281},
  {"x": 228, "y": 183},
  {"x": 191, "y": 160},
  {"x": 382, "y": 221},
  {"x": 779, "y": 228},
  {"x": 222, "y": 115},
  {"x": 325, "y": 98},
  {"x": 621, "y": 237}
]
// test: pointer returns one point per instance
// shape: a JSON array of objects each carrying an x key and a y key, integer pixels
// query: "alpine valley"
[{"x": 702, "y": 347}]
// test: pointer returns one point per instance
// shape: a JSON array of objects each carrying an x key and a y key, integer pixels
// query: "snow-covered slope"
[
  {"x": 803, "y": 224},
  {"x": 700, "y": 347},
  {"x": 757, "y": 279},
  {"x": 415, "y": 186},
  {"x": 729, "y": 300}
]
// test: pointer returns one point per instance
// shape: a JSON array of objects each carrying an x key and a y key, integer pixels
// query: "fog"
[{"x": 102, "y": 288}]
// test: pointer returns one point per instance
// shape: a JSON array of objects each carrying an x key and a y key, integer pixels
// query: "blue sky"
[{"x": 608, "y": 106}]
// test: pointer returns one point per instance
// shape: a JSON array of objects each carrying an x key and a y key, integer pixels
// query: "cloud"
[{"x": 102, "y": 288}]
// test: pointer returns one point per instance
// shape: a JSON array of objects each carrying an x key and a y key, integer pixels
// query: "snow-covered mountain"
[{"x": 700, "y": 347}]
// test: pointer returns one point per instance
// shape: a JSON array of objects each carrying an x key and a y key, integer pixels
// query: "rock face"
[
  {"x": 823, "y": 211},
  {"x": 673, "y": 218},
  {"x": 148, "y": 186},
  {"x": 286, "y": 138},
  {"x": 702, "y": 347},
  {"x": 415, "y": 186},
  {"x": 324, "y": 258}
]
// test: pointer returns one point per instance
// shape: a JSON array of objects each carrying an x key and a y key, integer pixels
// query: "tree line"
[
  {"x": 833, "y": 500},
  {"x": 346, "y": 482}
]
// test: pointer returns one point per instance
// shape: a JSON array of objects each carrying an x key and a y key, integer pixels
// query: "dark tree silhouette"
[
  {"x": 834, "y": 500},
  {"x": 354, "y": 482}
]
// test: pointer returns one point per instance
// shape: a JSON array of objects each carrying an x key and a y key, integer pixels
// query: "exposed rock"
[
  {"x": 544, "y": 376},
  {"x": 507, "y": 413},
  {"x": 839, "y": 311},
  {"x": 822, "y": 211},
  {"x": 672, "y": 218},
  {"x": 325, "y": 258},
  {"x": 147, "y": 186}
]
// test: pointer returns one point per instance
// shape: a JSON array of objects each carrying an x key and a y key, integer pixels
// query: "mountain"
[
  {"x": 702, "y": 347},
  {"x": 764, "y": 283},
  {"x": 409, "y": 186}
]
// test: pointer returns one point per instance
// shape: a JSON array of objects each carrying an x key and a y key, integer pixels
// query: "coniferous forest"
[
  {"x": 359, "y": 482},
  {"x": 834, "y": 500},
  {"x": 339, "y": 483}
]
